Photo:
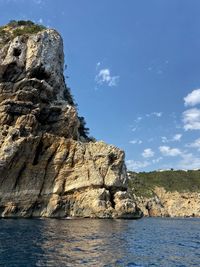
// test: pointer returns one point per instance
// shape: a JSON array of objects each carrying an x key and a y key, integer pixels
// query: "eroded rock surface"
[
  {"x": 170, "y": 204},
  {"x": 47, "y": 168}
]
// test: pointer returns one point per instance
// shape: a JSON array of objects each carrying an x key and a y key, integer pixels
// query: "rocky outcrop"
[
  {"x": 47, "y": 167},
  {"x": 170, "y": 203}
]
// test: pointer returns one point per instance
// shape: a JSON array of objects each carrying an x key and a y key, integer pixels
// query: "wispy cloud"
[
  {"x": 154, "y": 114},
  {"x": 134, "y": 129},
  {"x": 195, "y": 144},
  {"x": 191, "y": 119},
  {"x": 104, "y": 77},
  {"x": 157, "y": 114},
  {"x": 157, "y": 160},
  {"x": 148, "y": 153},
  {"x": 136, "y": 141},
  {"x": 175, "y": 138},
  {"x": 170, "y": 152},
  {"x": 164, "y": 139},
  {"x": 135, "y": 165},
  {"x": 138, "y": 119},
  {"x": 189, "y": 162},
  {"x": 147, "y": 115},
  {"x": 98, "y": 65},
  {"x": 193, "y": 98}
]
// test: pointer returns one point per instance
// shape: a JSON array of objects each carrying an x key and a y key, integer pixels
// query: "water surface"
[{"x": 86, "y": 242}]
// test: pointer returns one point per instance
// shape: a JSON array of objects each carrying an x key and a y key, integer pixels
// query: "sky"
[{"x": 133, "y": 67}]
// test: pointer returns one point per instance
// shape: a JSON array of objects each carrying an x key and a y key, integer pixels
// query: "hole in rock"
[
  {"x": 111, "y": 158},
  {"x": 39, "y": 73},
  {"x": 112, "y": 199},
  {"x": 17, "y": 52}
]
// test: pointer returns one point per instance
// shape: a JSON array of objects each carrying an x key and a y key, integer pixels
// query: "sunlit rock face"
[
  {"x": 47, "y": 168},
  {"x": 170, "y": 204}
]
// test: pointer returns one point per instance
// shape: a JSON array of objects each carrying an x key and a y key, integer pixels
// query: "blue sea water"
[{"x": 93, "y": 242}]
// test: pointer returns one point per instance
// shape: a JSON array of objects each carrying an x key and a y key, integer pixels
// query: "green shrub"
[
  {"x": 25, "y": 22},
  {"x": 17, "y": 28},
  {"x": 181, "y": 181},
  {"x": 27, "y": 30},
  {"x": 17, "y": 23}
]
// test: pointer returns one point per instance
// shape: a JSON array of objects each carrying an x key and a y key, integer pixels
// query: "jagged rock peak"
[
  {"x": 48, "y": 167},
  {"x": 32, "y": 81}
]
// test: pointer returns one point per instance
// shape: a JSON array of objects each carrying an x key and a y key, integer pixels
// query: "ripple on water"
[{"x": 84, "y": 242}]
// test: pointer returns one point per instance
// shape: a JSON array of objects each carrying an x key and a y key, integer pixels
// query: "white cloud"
[
  {"x": 155, "y": 114},
  {"x": 193, "y": 98},
  {"x": 164, "y": 139},
  {"x": 136, "y": 165},
  {"x": 148, "y": 115},
  {"x": 134, "y": 129},
  {"x": 195, "y": 144},
  {"x": 157, "y": 160},
  {"x": 171, "y": 152},
  {"x": 136, "y": 141},
  {"x": 138, "y": 119},
  {"x": 148, "y": 153},
  {"x": 189, "y": 162},
  {"x": 98, "y": 65},
  {"x": 177, "y": 137},
  {"x": 104, "y": 77},
  {"x": 191, "y": 119}
]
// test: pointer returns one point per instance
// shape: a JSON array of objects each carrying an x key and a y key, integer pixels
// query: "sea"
[{"x": 100, "y": 242}]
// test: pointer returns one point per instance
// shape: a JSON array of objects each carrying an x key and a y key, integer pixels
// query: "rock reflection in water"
[
  {"x": 79, "y": 242},
  {"x": 86, "y": 242}
]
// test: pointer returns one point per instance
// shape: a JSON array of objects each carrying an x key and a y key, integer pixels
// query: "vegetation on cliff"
[
  {"x": 17, "y": 28},
  {"x": 143, "y": 183}
]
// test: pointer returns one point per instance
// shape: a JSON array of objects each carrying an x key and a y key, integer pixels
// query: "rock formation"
[
  {"x": 47, "y": 168},
  {"x": 170, "y": 204}
]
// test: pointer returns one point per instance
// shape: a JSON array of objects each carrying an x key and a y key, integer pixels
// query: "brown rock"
[{"x": 170, "y": 204}]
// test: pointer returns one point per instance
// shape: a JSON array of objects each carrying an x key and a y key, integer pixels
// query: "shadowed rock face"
[{"x": 46, "y": 167}]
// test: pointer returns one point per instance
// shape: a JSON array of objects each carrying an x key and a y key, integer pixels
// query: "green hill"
[{"x": 143, "y": 183}]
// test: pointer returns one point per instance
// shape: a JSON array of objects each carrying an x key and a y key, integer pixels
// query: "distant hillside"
[
  {"x": 166, "y": 193},
  {"x": 143, "y": 183}
]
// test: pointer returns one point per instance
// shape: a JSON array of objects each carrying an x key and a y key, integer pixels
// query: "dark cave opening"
[
  {"x": 17, "y": 52},
  {"x": 38, "y": 153},
  {"x": 39, "y": 73}
]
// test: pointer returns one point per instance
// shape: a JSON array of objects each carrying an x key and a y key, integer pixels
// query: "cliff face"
[
  {"x": 170, "y": 204},
  {"x": 46, "y": 167},
  {"x": 167, "y": 193}
]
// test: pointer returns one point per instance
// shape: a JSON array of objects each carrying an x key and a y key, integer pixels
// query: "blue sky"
[{"x": 134, "y": 70}]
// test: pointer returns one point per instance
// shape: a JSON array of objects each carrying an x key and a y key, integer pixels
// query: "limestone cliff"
[
  {"x": 46, "y": 167},
  {"x": 167, "y": 193},
  {"x": 170, "y": 204}
]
